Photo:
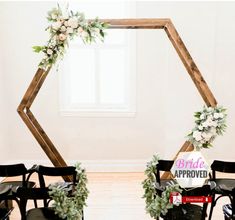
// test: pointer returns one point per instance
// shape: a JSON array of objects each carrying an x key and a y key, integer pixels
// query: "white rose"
[
  {"x": 216, "y": 115},
  {"x": 69, "y": 30},
  {"x": 221, "y": 115},
  {"x": 197, "y": 135},
  {"x": 214, "y": 123},
  {"x": 73, "y": 22},
  {"x": 62, "y": 37},
  {"x": 84, "y": 34},
  {"x": 213, "y": 131},
  {"x": 205, "y": 124},
  {"x": 203, "y": 141},
  {"x": 210, "y": 118},
  {"x": 209, "y": 122},
  {"x": 49, "y": 51},
  {"x": 200, "y": 127},
  {"x": 56, "y": 25},
  {"x": 206, "y": 136},
  {"x": 61, "y": 20},
  {"x": 63, "y": 29},
  {"x": 53, "y": 16},
  {"x": 202, "y": 116},
  {"x": 66, "y": 24}
]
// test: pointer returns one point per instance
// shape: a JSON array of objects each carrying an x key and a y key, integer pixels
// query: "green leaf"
[{"x": 37, "y": 49}]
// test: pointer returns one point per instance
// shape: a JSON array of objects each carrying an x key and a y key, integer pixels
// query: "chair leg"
[
  {"x": 212, "y": 206},
  {"x": 233, "y": 207},
  {"x": 35, "y": 203},
  {"x": 204, "y": 209}
]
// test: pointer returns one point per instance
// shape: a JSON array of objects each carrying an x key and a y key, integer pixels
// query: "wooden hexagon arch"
[{"x": 166, "y": 24}]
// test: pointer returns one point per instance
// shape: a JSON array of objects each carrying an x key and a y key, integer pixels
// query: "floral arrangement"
[
  {"x": 157, "y": 205},
  {"x": 210, "y": 122},
  {"x": 70, "y": 207},
  {"x": 64, "y": 27}
]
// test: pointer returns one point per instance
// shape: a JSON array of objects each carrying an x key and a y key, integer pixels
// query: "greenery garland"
[
  {"x": 157, "y": 205},
  {"x": 70, "y": 207},
  {"x": 64, "y": 26}
]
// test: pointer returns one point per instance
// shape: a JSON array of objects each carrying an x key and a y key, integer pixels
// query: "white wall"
[
  {"x": 3, "y": 128},
  {"x": 166, "y": 97},
  {"x": 3, "y": 118}
]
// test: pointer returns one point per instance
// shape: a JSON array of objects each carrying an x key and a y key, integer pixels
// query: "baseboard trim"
[{"x": 95, "y": 165}]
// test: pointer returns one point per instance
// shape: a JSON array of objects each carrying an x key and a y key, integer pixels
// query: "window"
[{"x": 99, "y": 79}]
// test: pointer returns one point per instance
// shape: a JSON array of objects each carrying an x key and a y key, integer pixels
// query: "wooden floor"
[{"x": 117, "y": 196}]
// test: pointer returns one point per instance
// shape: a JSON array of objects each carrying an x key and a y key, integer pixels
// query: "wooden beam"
[{"x": 142, "y": 23}]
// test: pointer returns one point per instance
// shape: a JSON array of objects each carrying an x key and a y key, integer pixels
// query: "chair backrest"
[
  {"x": 55, "y": 171},
  {"x": 163, "y": 165},
  {"x": 12, "y": 170},
  {"x": 222, "y": 166}
]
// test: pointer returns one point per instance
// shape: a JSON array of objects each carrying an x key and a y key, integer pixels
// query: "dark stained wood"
[
  {"x": 40, "y": 76},
  {"x": 37, "y": 88},
  {"x": 30, "y": 89}
]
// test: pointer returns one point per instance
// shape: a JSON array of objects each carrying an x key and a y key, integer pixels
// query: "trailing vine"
[
  {"x": 157, "y": 205},
  {"x": 67, "y": 206}
]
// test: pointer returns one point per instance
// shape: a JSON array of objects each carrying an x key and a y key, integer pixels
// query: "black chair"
[
  {"x": 221, "y": 184},
  {"x": 42, "y": 213},
  {"x": 44, "y": 171},
  {"x": 162, "y": 166},
  {"x": 190, "y": 211},
  {"x": 69, "y": 171},
  {"x": 229, "y": 209},
  {"x": 15, "y": 170}
]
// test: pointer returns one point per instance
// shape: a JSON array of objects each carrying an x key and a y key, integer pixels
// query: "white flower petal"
[{"x": 56, "y": 25}]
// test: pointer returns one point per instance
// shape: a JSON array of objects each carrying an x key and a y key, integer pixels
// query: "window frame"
[{"x": 68, "y": 109}]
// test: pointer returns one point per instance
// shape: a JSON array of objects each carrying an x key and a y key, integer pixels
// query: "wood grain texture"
[{"x": 40, "y": 76}]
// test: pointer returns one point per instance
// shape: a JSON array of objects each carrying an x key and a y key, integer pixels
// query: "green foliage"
[
  {"x": 37, "y": 49},
  {"x": 156, "y": 204},
  {"x": 64, "y": 26},
  {"x": 67, "y": 206}
]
